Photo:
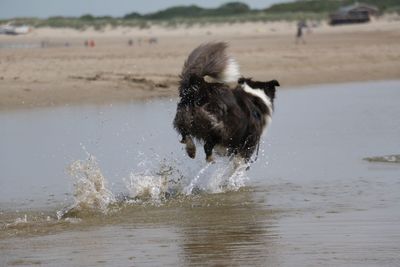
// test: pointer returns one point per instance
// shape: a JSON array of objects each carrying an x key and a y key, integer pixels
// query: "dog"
[{"x": 212, "y": 112}]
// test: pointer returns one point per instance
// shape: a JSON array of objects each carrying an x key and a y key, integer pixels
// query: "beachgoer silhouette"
[{"x": 299, "y": 36}]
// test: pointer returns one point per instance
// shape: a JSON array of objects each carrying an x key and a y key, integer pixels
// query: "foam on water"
[{"x": 151, "y": 182}]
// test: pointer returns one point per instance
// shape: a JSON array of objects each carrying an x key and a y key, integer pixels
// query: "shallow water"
[{"x": 111, "y": 185}]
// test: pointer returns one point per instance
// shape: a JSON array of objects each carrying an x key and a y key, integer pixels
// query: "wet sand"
[{"x": 112, "y": 71}]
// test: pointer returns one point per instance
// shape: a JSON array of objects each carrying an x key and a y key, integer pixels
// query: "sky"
[{"x": 117, "y": 8}]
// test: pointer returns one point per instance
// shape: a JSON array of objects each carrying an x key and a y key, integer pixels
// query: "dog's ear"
[
  {"x": 274, "y": 83},
  {"x": 241, "y": 80},
  {"x": 270, "y": 89}
]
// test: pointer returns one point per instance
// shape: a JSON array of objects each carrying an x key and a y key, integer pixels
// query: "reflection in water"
[
  {"x": 234, "y": 230},
  {"x": 228, "y": 229}
]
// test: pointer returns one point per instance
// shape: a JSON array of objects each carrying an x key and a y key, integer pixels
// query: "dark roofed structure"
[{"x": 356, "y": 13}]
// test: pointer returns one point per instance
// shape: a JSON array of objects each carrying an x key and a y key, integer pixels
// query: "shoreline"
[
  {"x": 114, "y": 72},
  {"x": 102, "y": 100}
]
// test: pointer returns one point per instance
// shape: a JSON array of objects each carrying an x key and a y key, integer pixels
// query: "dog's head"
[
  {"x": 189, "y": 84},
  {"x": 267, "y": 87}
]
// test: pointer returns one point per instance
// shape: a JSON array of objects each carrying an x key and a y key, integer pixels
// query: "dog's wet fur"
[{"x": 216, "y": 114}]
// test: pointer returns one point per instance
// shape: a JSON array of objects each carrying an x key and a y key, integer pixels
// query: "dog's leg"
[
  {"x": 208, "y": 147},
  {"x": 183, "y": 140},
  {"x": 190, "y": 147}
]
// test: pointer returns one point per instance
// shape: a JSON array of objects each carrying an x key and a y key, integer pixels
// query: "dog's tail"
[{"x": 211, "y": 60}]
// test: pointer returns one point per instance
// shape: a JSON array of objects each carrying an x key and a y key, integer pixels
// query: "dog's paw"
[
  {"x": 210, "y": 159},
  {"x": 191, "y": 149}
]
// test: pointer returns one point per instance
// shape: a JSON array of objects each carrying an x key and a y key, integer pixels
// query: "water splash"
[
  {"x": 161, "y": 180},
  {"x": 146, "y": 187},
  {"x": 90, "y": 189},
  {"x": 152, "y": 182},
  {"x": 225, "y": 174},
  {"x": 18, "y": 221}
]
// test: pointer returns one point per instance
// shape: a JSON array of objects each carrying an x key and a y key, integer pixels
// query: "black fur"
[{"x": 216, "y": 114}]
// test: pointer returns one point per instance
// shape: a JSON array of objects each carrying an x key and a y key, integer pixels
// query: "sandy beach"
[{"x": 65, "y": 72}]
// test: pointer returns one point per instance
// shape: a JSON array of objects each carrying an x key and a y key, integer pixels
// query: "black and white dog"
[{"x": 211, "y": 111}]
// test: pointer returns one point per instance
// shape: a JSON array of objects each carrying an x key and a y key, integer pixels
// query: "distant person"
[
  {"x": 130, "y": 42},
  {"x": 299, "y": 36},
  {"x": 43, "y": 44},
  {"x": 153, "y": 40}
]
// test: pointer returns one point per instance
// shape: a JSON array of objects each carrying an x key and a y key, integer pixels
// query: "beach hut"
[{"x": 356, "y": 13}]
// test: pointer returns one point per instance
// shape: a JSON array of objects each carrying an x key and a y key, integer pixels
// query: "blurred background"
[{"x": 98, "y": 46}]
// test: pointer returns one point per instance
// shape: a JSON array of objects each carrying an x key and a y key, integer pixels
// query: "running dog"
[{"x": 213, "y": 112}]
